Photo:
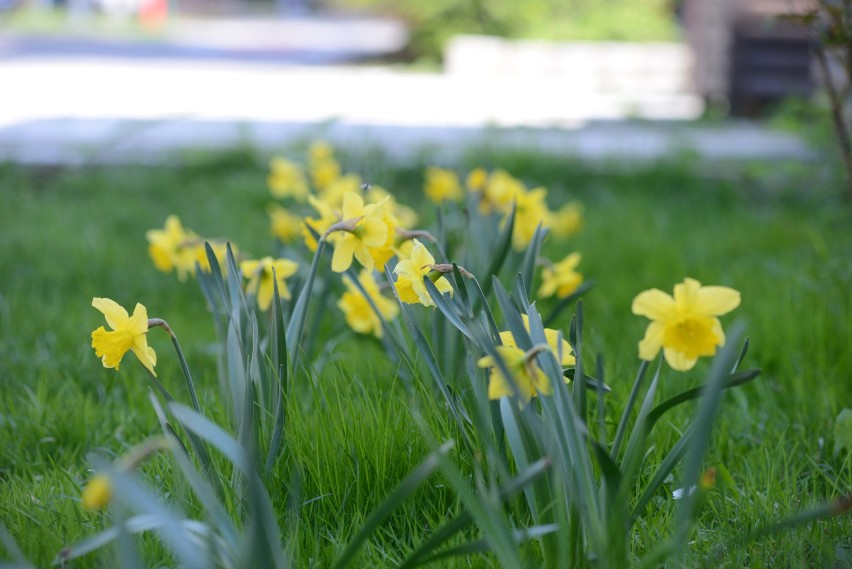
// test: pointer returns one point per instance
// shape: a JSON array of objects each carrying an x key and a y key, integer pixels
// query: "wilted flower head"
[
  {"x": 128, "y": 334},
  {"x": 684, "y": 326}
]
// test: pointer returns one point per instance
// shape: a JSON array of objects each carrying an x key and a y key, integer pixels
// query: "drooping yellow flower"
[
  {"x": 529, "y": 379},
  {"x": 357, "y": 310},
  {"x": 285, "y": 226},
  {"x": 530, "y": 211},
  {"x": 566, "y": 221},
  {"x": 686, "y": 326},
  {"x": 220, "y": 249},
  {"x": 560, "y": 278},
  {"x": 410, "y": 272},
  {"x": 129, "y": 333},
  {"x": 442, "y": 184},
  {"x": 287, "y": 180},
  {"x": 97, "y": 493},
  {"x": 369, "y": 232},
  {"x": 552, "y": 337},
  {"x": 261, "y": 284},
  {"x": 476, "y": 180},
  {"x": 323, "y": 167},
  {"x": 173, "y": 247}
]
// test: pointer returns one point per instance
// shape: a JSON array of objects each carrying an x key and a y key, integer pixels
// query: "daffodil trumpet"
[{"x": 97, "y": 494}]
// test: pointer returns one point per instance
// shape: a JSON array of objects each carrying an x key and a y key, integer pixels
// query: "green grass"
[{"x": 777, "y": 233}]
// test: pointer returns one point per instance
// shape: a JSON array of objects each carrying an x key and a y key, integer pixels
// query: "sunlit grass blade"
[
  {"x": 391, "y": 503},
  {"x": 483, "y": 546},
  {"x": 445, "y": 532}
]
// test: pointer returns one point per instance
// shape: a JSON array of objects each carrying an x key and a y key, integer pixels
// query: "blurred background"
[{"x": 127, "y": 80}]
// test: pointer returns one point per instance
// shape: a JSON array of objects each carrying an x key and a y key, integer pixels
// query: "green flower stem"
[
  {"x": 622, "y": 426},
  {"x": 184, "y": 367}
]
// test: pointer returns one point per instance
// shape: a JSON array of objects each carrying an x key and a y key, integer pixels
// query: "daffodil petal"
[
  {"x": 654, "y": 304},
  {"x": 686, "y": 294},
  {"x": 343, "y": 250},
  {"x": 265, "y": 292},
  {"x": 114, "y": 313},
  {"x": 650, "y": 345},
  {"x": 716, "y": 300},
  {"x": 138, "y": 323},
  {"x": 678, "y": 360},
  {"x": 146, "y": 355}
]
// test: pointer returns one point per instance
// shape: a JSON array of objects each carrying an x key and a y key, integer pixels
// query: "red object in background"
[{"x": 153, "y": 13}]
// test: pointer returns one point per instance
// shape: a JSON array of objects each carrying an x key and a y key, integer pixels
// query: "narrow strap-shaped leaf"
[
  {"x": 628, "y": 408},
  {"x": 483, "y": 546},
  {"x": 531, "y": 256},
  {"x": 300, "y": 310},
  {"x": 512, "y": 316},
  {"x": 666, "y": 467},
  {"x": 212, "y": 433},
  {"x": 504, "y": 244},
  {"x": 445, "y": 307}
]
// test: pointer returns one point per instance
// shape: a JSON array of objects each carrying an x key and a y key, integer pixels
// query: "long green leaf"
[{"x": 504, "y": 244}]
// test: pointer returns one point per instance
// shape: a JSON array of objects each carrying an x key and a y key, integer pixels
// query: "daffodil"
[
  {"x": 173, "y": 247},
  {"x": 286, "y": 226},
  {"x": 530, "y": 211},
  {"x": 97, "y": 493},
  {"x": 357, "y": 310},
  {"x": 552, "y": 337},
  {"x": 129, "y": 333},
  {"x": 287, "y": 180},
  {"x": 261, "y": 284},
  {"x": 327, "y": 217},
  {"x": 333, "y": 192},
  {"x": 560, "y": 278},
  {"x": 527, "y": 377},
  {"x": 442, "y": 184},
  {"x": 403, "y": 216},
  {"x": 410, "y": 272},
  {"x": 566, "y": 221},
  {"x": 220, "y": 250},
  {"x": 476, "y": 180},
  {"x": 500, "y": 191},
  {"x": 323, "y": 167},
  {"x": 368, "y": 231},
  {"x": 685, "y": 326}
]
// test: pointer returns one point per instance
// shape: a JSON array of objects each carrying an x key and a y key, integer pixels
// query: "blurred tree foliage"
[{"x": 433, "y": 22}]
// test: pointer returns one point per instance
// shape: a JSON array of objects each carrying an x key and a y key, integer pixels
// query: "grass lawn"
[{"x": 778, "y": 233}]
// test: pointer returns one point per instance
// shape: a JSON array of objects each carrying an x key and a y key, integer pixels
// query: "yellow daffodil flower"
[
  {"x": 402, "y": 215},
  {"x": 561, "y": 279},
  {"x": 566, "y": 221},
  {"x": 552, "y": 337},
  {"x": 97, "y": 493},
  {"x": 527, "y": 376},
  {"x": 442, "y": 184},
  {"x": 500, "y": 191},
  {"x": 129, "y": 333},
  {"x": 220, "y": 249},
  {"x": 686, "y": 326},
  {"x": 410, "y": 272},
  {"x": 333, "y": 192},
  {"x": 530, "y": 211},
  {"x": 323, "y": 167},
  {"x": 476, "y": 180},
  {"x": 259, "y": 274},
  {"x": 357, "y": 310},
  {"x": 173, "y": 247},
  {"x": 287, "y": 180},
  {"x": 327, "y": 217},
  {"x": 369, "y": 231},
  {"x": 285, "y": 226}
]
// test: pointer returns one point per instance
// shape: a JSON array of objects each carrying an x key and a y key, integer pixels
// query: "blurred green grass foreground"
[{"x": 779, "y": 233}]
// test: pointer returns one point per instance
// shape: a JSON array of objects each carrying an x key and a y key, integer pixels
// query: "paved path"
[{"x": 82, "y": 106}]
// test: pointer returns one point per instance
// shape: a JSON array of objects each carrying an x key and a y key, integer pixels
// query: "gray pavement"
[{"x": 123, "y": 104}]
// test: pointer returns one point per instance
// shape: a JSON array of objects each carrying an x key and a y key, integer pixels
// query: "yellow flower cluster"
[{"x": 179, "y": 249}]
